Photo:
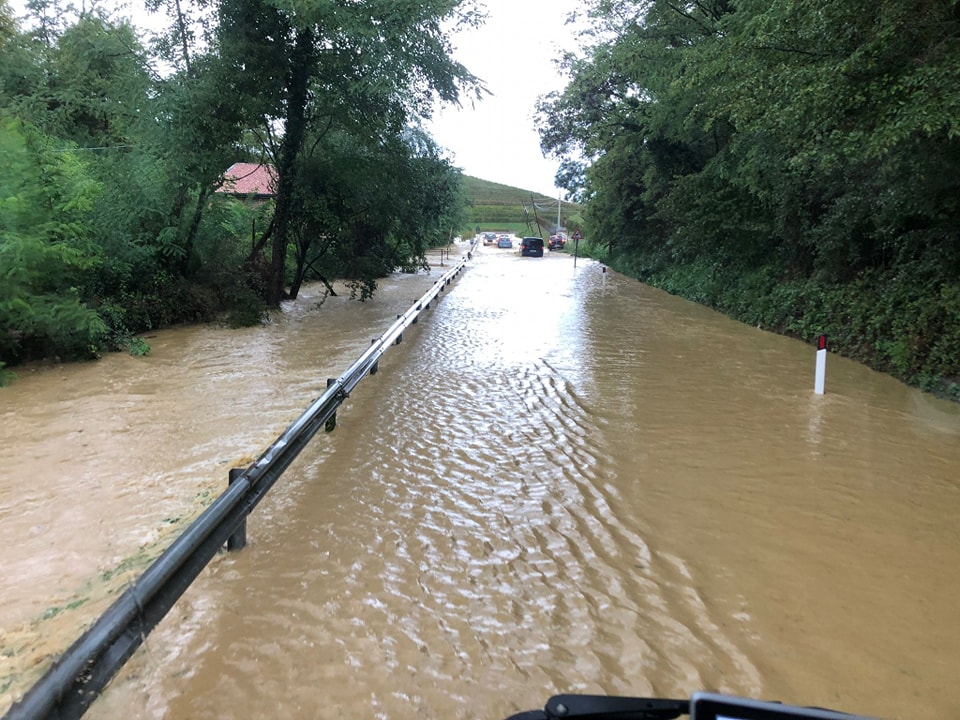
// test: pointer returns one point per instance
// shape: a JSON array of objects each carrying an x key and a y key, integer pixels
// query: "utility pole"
[
  {"x": 559, "y": 195},
  {"x": 536, "y": 217}
]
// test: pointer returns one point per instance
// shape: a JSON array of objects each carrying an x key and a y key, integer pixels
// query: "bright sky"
[{"x": 513, "y": 54}]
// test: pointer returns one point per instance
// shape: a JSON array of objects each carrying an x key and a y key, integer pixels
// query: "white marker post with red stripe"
[{"x": 821, "y": 364}]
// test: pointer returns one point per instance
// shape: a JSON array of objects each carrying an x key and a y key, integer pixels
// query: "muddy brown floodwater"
[{"x": 561, "y": 481}]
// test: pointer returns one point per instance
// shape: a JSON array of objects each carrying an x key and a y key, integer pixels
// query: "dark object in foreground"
[{"x": 701, "y": 706}]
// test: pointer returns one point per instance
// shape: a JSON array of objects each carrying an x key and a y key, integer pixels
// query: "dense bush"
[{"x": 793, "y": 164}]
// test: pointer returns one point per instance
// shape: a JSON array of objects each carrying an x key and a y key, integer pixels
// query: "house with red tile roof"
[{"x": 254, "y": 181}]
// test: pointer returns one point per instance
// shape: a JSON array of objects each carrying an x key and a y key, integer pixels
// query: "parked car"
[
  {"x": 556, "y": 242},
  {"x": 504, "y": 242},
  {"x": 531, "y": 247}
]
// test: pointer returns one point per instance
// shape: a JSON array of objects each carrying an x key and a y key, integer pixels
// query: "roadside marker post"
[{"x": 821, "y": 365}]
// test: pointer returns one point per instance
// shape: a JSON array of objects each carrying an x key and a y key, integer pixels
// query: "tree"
[
  {"x": 861, "y": 104},
  {"x": 110, "y": 221},
  {"x": 368, "y": 206},
  {"x": 794, "y": 162},
  {"x": 46, "y": 248},
  {"x": 374, "y": 65},
  {"x": 633, "y": 111}
]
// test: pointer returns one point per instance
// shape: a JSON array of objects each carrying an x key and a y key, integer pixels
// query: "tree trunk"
[
  {"x": 300, "y": 270},
  {"x": 194, "y": 228},
  {"x": 301, "y": 69}
]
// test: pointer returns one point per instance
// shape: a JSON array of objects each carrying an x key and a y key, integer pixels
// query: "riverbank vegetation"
[
  {"x": 113, "y": 147},
  {"x": 793, "y": 164}
]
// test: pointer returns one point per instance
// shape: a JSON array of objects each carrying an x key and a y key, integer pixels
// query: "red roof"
[{"x": 249, "y": 179}]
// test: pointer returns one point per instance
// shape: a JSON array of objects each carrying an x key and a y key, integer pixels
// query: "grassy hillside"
[{"x": 503, "y": 208}]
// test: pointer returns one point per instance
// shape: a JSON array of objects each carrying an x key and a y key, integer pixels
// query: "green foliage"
[
  {"x": 54, "y": 610},
  {"x": 364, "y": 73},
  {"x": 138, "y": 347},
  {"x": 46, "y": 251},
  {"x": 6, "y": 377},
  {"x": 365, "y": 207},
  {"x": 795, "y": 164},
  {"x": 111, "y": 224},
  {"x": 362, "y": 290}
]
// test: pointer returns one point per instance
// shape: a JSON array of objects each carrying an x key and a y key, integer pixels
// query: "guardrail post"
[
  {"x": 417, "y": 316},
  {"x": 238, "y": 539},
  {"x": 376, "y": 365},
  {"x": 399, "y": 335},
  {"x": 331, "y": 424}
]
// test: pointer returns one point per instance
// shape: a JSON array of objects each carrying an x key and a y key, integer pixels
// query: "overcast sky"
[{"x": 512, "y": 53}]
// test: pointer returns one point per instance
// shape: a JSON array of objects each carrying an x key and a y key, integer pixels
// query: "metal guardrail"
[{"x": 77, "y": 677}]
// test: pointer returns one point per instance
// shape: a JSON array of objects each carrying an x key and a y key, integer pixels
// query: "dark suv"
[{"x": 531, "y": 247}]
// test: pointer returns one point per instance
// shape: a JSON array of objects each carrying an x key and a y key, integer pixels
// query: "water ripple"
[{"x": 561, "y": 482}]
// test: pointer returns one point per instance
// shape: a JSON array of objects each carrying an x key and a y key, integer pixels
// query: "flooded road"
[{"x": 561, "y": 481}]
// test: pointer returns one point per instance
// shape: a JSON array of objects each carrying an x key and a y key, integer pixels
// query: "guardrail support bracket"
[
  {"x": 238, "y": 540},
  {"x": 331, "y": 423},
  {"x": 376, "y": 366}
]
